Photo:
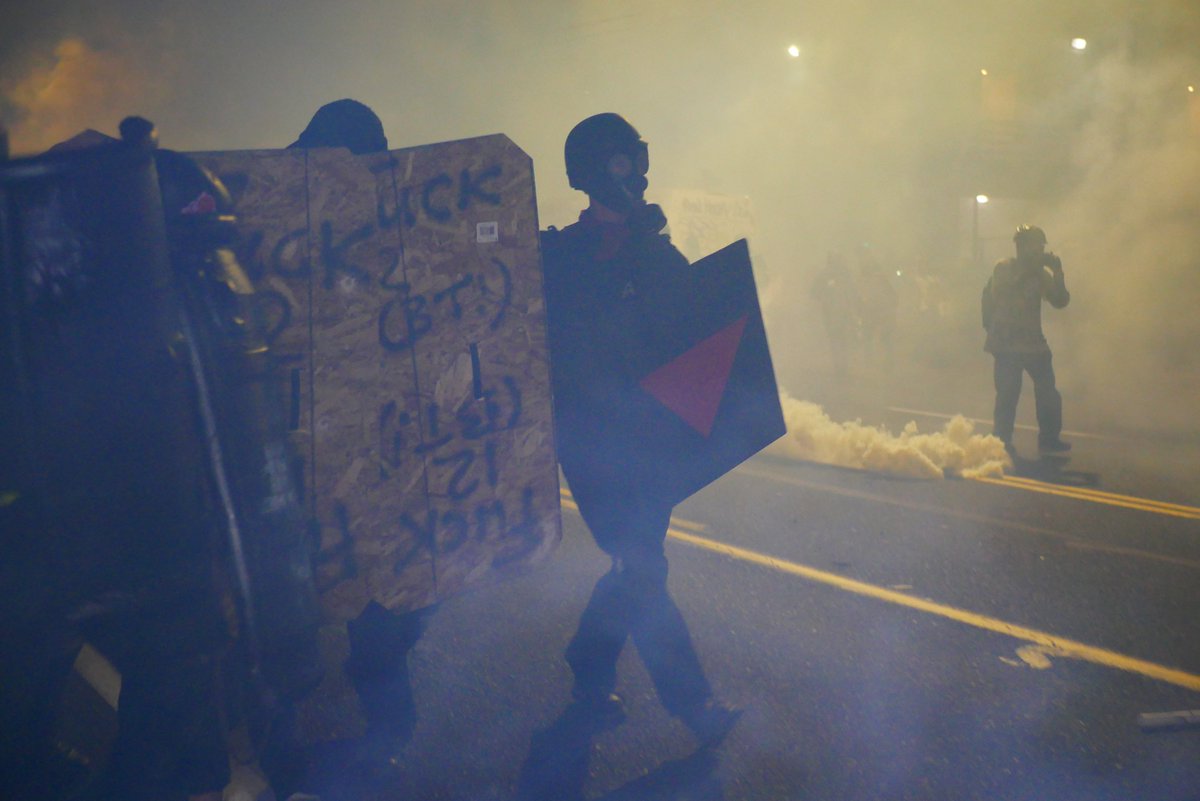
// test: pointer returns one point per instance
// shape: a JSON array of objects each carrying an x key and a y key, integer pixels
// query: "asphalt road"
[{"x": 889, "y": 639}]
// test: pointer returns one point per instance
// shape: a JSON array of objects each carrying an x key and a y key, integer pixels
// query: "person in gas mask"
[
  {"x": 614, "y": 284},
  {"x": 1012, "y": 317}
]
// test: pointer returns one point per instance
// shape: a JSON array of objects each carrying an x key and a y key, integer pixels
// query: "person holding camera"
[{"x": 1012, "y": 317}]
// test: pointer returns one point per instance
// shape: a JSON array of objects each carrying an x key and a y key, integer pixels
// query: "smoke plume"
[
  {"x": 955, "y": 450},
  {"x": 1129, "y": 226},
  {"x": 74, "y": 88}
]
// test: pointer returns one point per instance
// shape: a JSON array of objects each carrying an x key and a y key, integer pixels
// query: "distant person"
[
  {"x": 1012, "y": 316},
  {"x": 878, "y": 305},
  {"x": 835, "y": 290},
  {"x": 611, "y": 278}
]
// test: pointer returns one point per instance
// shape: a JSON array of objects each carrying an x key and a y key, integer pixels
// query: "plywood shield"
[{"x": 403, "y": 296}]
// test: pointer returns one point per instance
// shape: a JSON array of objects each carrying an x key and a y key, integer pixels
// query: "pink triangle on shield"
[{"x": 693, "y": 384}]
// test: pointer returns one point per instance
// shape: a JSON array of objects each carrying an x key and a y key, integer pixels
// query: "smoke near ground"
[{"x": 955, "y": 450}]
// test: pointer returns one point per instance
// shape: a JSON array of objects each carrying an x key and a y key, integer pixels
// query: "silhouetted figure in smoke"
[
  {"x": 380, "y": 640},
  {"x": 344, "y": 123},
  {"x": 613, "y": 282},
  {"x": 125, "y": 557},
  {"x": 878, "y": 305},
  {"x": 835, "y": 290},
  {"x": 1012, "y": 316}
]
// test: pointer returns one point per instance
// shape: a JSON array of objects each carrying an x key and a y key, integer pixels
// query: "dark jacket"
[
  {"x": 1012, "y": 306},
  {"x": 614, "y": 296}
]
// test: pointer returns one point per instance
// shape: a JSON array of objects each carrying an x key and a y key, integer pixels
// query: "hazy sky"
[{"x": 869, "y": 134}]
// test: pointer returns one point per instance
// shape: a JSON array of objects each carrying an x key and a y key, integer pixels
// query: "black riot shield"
[{"x": 704, "y": 408}]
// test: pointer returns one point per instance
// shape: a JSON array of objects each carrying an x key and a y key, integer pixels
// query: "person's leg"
[
  {"x": 171, "y": 740},
  {"x": 380, "y": 642},
  {"x": 837, "y": 331},
  {"x": 661, "y": 635},
  {"x": 282, "y": 757},
  {"x": 37, "y": 659},
  {"x": 1006, "y": 373},
  {"x": 603, "y": 628},
  {"x": 1047, "y": 398},
  {"x": 632, "y": 598},
  {"x": 170, "y": 743},
  {"x": 592, "y": 654}
]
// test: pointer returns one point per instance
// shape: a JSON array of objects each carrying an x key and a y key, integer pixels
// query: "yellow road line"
[
  {"x": 1096, "y": 496},
  {"x": 884, "y": 499},
  {"x": 941, "y": 511},
  {"x": 1014, "y": 482},
  {"x": 1060, "y": 645},
  {"x": 1092, "y": 492}
]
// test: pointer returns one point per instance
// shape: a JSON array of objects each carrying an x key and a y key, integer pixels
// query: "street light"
[
  {"x": 976, "y": 243},
  {"x": 1079, "y": 43},
  {"x": 794, "y": 51}
]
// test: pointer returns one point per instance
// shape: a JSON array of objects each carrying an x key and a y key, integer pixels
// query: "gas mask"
[
  {"x": 607, "y": 159},
  {"x": 624, "y": 182}
]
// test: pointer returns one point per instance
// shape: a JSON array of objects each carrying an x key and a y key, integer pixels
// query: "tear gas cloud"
[
  {"x": 1129, "y": 228},
  {"x": 878, "y": 128},
  {"x": 72, "y": 88},
  {"x": 813, "y": 436}
]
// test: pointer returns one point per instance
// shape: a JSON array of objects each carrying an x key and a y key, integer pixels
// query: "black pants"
[
  {"x": 170, "y": 733},
  {"x": 170, "y": 742},
  {"x": 1008, "y": 371},
  {"x": 380, "y": 642},
  {"x": 632, "y": 600}
]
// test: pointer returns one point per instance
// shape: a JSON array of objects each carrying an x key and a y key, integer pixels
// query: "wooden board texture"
[{"x": 403, "y": 297}]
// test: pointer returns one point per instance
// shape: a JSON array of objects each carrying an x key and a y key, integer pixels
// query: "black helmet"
[
  {"x": 1029, "y": 233},
  {"x": 344, "y": 123},
  {"x": 593, "y": 142}
]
